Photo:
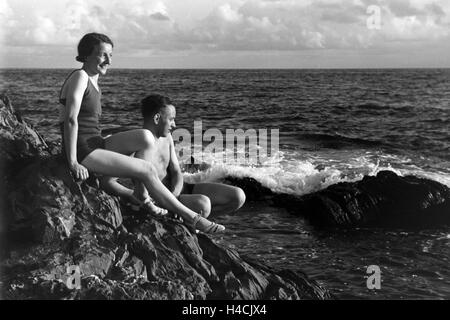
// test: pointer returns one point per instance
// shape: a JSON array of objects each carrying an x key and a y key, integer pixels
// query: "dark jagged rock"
[
  {"x": 56, "y": 226},
  {"x": 384, "y": 200},
  {"x": 18, "y": 140},
  {"x": 19, "y": 145},
  {"x": 254, "y": 191}
]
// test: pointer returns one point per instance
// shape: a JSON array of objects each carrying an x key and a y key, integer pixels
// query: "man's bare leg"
[
  {"x": 132, "y": 142},
  {"x": 139, "y": 143},
  {"x": 112, "y": 186},
  {"x": 110, "y": 163},
  {"x": 224, "y": 198},
  {"x": 113, "y": 162},
  {"x": 197, "y": 202}
]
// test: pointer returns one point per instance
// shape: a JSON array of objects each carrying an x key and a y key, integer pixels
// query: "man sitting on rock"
[{"x": 159, "y": 118}]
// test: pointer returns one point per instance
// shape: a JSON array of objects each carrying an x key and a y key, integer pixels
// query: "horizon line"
[{"x": 237, "y": 68}]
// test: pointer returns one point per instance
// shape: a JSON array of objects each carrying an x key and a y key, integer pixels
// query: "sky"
[{"x": 230, "y": 33}]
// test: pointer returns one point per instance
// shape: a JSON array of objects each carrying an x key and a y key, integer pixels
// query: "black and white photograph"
[{"x": 225, "y": 155}]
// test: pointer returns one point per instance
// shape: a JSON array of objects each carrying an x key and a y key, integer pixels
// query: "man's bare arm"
[{"x": 174, "y": 170}]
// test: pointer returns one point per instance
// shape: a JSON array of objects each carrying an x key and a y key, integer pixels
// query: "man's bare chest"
[{"x": 161, "y": 158}]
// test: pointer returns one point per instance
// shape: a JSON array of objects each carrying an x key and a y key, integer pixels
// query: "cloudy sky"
[{"x": 230, "y": 33}]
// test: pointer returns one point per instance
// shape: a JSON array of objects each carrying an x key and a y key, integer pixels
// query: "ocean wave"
[{"x": 289, "y": 174}]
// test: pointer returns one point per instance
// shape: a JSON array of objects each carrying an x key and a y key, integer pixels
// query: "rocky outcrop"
[
  {"x": 383, "y": 200},
  {"x": 70, "y": 240},
  {"x": 14, "y": 153}
]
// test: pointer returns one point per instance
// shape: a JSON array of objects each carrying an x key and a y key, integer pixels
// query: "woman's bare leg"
[
  {"x": 114, "y": 164},
  {"x": 139, "y": 142}
]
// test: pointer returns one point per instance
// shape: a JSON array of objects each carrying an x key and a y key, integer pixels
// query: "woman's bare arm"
[{"x": 76, "y": 86}]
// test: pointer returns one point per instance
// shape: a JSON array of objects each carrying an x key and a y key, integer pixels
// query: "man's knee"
[
  {"x": 145, "y": 137},
  {"x": 238, "y": 198},
  {"x": 203, "y": 203}
]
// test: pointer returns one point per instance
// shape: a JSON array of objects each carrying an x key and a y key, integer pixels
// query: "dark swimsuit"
[
  {"x": 89, "y": 133},
  {"x": 187, "y": 188}
]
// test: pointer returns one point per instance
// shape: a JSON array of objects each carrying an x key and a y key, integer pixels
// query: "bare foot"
[{"x": 149, "y": 206}]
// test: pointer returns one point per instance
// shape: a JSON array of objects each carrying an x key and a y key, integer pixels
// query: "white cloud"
[
  {"x": 226, "y": 13},
  {"x": 5, "y": 15},
  {"x": 153, "y": 26},
  {"x": 404, "y": 20},
  {"x": 233, "y": 25},
  {"x": 5, "y": 10},
  {"x": 45, "y": 31},
  {"x": 143, "y": 8}
]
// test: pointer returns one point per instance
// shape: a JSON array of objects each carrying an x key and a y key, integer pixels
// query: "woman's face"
[{"x": 99, "y": 60}]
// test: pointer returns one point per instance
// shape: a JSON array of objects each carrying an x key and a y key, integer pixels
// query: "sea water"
[{"x": 334, "y": 126}]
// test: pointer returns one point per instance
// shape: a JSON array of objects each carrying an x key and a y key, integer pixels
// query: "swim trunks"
[
  {"x": 187, "y": 188},
  {"x": 85, "y": 144}
]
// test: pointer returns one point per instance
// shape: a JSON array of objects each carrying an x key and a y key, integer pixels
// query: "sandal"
[
  {"x": 205, "y": 226},
  {"x": 146, "y": 205}
]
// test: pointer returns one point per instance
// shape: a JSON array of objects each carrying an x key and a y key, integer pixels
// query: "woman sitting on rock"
[{"x": 86, "y": 150}]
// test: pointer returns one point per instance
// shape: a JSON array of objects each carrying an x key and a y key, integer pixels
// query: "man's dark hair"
[
  {"x": 153, "y": 104},
  {"x": 87, "y": 44}
]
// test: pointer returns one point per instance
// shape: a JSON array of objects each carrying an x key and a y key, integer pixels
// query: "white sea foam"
[{"x": 297, "y": 173}]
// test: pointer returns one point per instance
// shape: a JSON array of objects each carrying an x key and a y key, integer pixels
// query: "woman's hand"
[{"x": 80, "y": 172}]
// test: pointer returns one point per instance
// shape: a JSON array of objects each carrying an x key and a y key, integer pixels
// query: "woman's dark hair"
[{"x": 88, "y": 42}]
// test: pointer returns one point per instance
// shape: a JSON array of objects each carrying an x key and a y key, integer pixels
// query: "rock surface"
[
  {"x": 385, "y": 200},
  {"x": 57, "y": 229}
]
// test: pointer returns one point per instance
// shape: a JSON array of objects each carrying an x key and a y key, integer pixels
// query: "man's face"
[{"x": 167, "y": 121}]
